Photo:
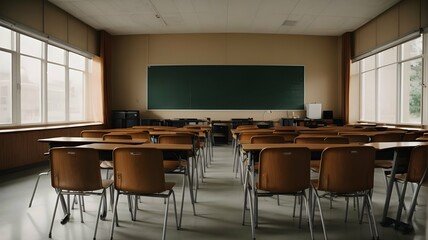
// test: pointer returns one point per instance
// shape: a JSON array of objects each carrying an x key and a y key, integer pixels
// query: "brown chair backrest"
[
  {"x": 288, "y": 136},
  {"x": 246, "y": 136},
  {"x": 314, "y": 139},
  {"x": 411, "y": 136},
  {"x": 336, "y": 140},
  {"x": 267, "y": 139},
  {"x": 138, "y": 170},
  {"x": 387, "y": 137},
  {"x": 321, "y": 132},
  {"x": 347, "y": 169},
  {"x": 284, "y": 170},
  {"x": 179, "y": 138},
  {"x": 241, "y": 127},
  {"x": 93, "y": 133},
  {"x": 139, "y": 135},
  {"x": 357, "y": 138},
  {"x": 117, "y": 136},
  {"x": 75, "y": 169},
  {"x": 418, "y": 164}
]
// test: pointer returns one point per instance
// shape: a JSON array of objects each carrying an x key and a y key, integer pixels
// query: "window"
[
  {"x": 50, "y": 82},
  {"x": 391, "y": 85}
]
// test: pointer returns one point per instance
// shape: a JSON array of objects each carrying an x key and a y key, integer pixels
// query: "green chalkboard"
[{"x": 226, "y": 87}]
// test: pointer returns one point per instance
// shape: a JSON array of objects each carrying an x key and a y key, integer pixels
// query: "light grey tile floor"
[{"x": 219, "y": 211}]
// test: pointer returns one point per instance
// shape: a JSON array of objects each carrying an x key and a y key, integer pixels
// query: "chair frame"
[
  {"x": 332, "y": 184},
  {"x": 140, "y": 155},
  {"x": 67, "y": 155}
]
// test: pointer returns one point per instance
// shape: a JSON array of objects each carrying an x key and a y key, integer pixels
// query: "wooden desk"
[
  {"x": 400, "y": 163},
  {"x": 76, "y": 141}
]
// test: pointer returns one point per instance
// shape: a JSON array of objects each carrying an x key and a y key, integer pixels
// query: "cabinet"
[
  {"x": 220, "y": 133},
  {"x": 125, "y": 118}
]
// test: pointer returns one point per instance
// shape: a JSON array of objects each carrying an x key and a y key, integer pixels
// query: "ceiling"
[{"x": 308, "y": 17}]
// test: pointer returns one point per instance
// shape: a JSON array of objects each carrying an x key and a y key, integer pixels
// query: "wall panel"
[{"x": 19, "y": 149}]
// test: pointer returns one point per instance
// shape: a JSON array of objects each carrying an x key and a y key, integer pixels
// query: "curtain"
[
  {"x": 346, "y": 72},
  {"x": 105, "y": 54}
]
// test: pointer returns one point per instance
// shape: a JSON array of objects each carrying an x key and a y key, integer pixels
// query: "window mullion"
[
  {"x": 67, "y": 87},
  {"x": 16, "y": 86}
]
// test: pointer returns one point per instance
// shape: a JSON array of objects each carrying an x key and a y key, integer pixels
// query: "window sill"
[{"x": 47, "y": 127}]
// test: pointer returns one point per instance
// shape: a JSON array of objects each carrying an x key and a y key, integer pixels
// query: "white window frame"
[{"x": 399, "y": 62}]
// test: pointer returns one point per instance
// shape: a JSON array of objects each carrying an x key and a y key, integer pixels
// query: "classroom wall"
[{"x": 131, "y": 54}]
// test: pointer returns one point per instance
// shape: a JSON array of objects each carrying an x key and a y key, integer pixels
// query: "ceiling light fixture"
[{"x": 289, "y": 23}]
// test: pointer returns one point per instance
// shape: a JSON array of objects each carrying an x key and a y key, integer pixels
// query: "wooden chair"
[
  {"x": 315, "y": 163},
  {"x": 241, "y": 127},
  {"x": 76, "y": 171},
  {"x": 117, "y": 136},
  {"x": 412, "y": 136},
  {"x": 417, "y": 175},
  {"x": 288, "y": 136},
  {"x": 93, "y": 133},
  {"x": 283, "y": 171},
  {"x": 174, "y": 163},
  {"x": 383, "y": 159},
  {"x": 357, "y": 138},
  {"x": 46, "y": 155},
  {"x": 140, "y": 172},
  {"x": 347, "y": 172}
]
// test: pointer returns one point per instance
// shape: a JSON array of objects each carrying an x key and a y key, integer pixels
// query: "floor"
[{"x": 219, "y": 212}]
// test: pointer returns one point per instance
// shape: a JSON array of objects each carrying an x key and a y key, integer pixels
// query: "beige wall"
[{"x": 131, "y": 54}]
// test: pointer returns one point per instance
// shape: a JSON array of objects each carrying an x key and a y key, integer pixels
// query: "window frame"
[
  {"x": 16, "y": 82},
  {"x": 399, "y": 104}
]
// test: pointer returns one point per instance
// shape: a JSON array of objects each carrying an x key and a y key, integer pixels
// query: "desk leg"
[
  {"x": 399, "y": 155},
  {"x": 386, "y": 221}
]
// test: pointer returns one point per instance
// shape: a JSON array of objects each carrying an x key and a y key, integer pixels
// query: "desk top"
[
  {"x": 90, "y": 140},
  {"x": 389, "y": 145},
  {"x": 248, "y": 147},
  {"x": 111, "y": 147}
]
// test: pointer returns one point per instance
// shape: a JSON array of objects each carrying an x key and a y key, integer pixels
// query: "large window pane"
[
  {"x": 31, "y": 90},
  {"x": 368, "y": 64},
  {"x": 76, "y": 61},
  {"x": 387, "y": 94},
  {"x": 31, "y": 46},
  {"x": 56, "y": 93},
  {"x": 6, "y": 38},
  {"x": 411, "y": 74},
  {"x": 56, "y": 55},
  {"x": 411, "y": 49},
  {"x": 76, "y": 93},
  {"x": 387, "y": 57},
  {"x": 5, "y": 88},
  {"x": 368, "y": 96}
]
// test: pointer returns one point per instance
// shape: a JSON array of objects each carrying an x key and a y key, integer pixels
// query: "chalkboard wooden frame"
[{"x": 225, "y": 87}]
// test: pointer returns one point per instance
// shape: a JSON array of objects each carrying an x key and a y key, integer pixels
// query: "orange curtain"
[
  {"x": 346, "y": 73},
  {"x": 105, "y": 54}
]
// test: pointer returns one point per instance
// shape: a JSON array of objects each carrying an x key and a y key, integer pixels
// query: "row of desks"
[{"x": 401, "y": 150}]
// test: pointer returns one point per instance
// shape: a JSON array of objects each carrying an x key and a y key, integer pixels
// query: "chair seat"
[
  {"x": 172, "y": 165},
  {"x": 383, "y": 163}
]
